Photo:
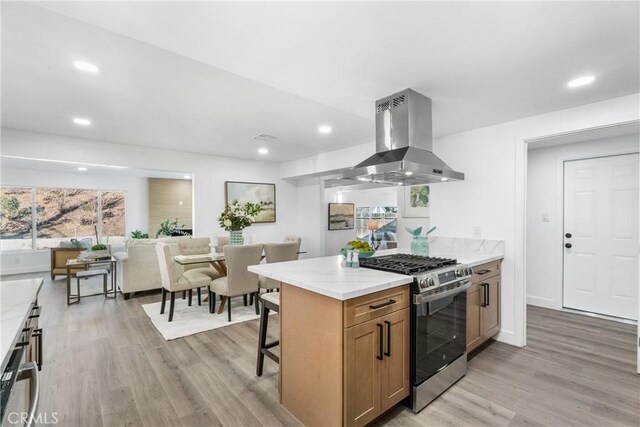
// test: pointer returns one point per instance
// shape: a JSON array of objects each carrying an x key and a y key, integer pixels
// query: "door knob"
[
  {"x": 567, "y": 245},
  {"x": 568, "y": 235}
]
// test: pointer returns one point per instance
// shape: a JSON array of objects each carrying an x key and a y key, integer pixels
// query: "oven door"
[{"x": 439, "y": 336}]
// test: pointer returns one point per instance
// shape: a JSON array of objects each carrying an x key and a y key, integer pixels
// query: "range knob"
[
  {"x": 460, "y": 273},
  {"x": 430, "y": 282},
  {"x": 422, "y": 283}
]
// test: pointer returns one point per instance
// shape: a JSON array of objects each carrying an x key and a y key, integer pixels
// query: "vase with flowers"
[{"x": 237, "y": 217}]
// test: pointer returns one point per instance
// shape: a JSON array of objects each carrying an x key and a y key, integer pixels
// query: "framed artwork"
[
  {"x": 416, "y": 202},
  {"x": 253, "y": 192},
  {"x": 341, "y": 216}
]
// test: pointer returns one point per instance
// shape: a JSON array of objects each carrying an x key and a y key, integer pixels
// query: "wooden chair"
[
  {"x": 174, "y": 279},
  {"x": 238, "y": 281}
]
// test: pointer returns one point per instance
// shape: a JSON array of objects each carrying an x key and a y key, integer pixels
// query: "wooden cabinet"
[
  {"x": 376, "y": 366},
  {"x": 483, "y": 304},
  {"x": 351, "y": 358}
]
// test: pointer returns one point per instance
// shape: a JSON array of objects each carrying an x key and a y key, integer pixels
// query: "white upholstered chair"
[
  {"x": 294, "y": 239},
  {"x": 175, "y": 279},
  {"x": 239, "y": 280},
  {"x": 198, "y": 246},
  {"x": 222, "y": 241},
  {"x": 278, "y": 252}
]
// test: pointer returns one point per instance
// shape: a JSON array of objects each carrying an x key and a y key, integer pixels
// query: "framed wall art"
[
  {"x": 416, "y": 202},
  {"x": 341, "y": 216},
  {"x": 253, "y": 192}
]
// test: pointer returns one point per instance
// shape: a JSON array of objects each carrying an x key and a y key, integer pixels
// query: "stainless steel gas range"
[{"x": 438, "y": 321}]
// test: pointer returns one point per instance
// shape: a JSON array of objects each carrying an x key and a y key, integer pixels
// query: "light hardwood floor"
[{"x": 105, "y": 364}]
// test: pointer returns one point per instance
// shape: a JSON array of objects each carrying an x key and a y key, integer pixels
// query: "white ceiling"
[
  {"x": 39, "y": 164},
  {"x": 481, "y": 62}
]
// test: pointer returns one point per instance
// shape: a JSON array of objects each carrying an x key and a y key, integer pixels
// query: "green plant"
[
  {"x": 169, "y": 227},
  {"x": 237, "y": 217},
  {"x": 9, "y": 206},
  {"x": 137, "y": 234},
  {"x": 99, "y": 247}
]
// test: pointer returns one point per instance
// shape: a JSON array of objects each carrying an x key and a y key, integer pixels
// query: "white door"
[{"x": 601, "y": 235}]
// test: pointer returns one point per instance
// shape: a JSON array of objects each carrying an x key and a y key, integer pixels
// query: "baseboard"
[
  {"x": 542, "y": 302},
  {"x": 508, "y": 337},
  {"x": 24, "y": 270}
]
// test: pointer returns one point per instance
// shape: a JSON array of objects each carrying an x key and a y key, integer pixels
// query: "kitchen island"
[{"x": 344, "y": 337}]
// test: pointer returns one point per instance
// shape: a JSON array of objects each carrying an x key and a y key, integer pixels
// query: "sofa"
[{"x": 138, "y": 268}]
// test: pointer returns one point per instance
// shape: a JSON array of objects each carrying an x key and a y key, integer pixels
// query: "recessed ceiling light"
[
  {"x": 81, "y": 121},
  {"x": 363, "y": 179},
  {"x": 187, "y": 177},
  {"x": 325, "y": 129},
  {"x": 408, "y": 173},
  {"x": 263, "y": 151},
  {"x": 82, "y": 169},
  {"x": 85, "y": 66},
  {"x": 444, "y": 179},
  {"x": 581, "y": 81}
]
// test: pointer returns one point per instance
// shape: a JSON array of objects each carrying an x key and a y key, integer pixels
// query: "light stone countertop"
[
  {"x": 328, "y": 275},
  {"x": 16, "y": 296}
]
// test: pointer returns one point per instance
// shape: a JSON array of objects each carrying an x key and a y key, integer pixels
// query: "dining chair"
[
  {"x": 222, "y": 241},
  {"x": 297, "y": 239},
  {"x": 198, "y": 246},
  {"x": 238, "y": 281},
  {"x": 174, "y": 278},
  {"x": 277, "y": 252}
]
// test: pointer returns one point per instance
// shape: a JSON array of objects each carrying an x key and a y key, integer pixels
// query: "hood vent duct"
[{"x": 404, "y": 144}]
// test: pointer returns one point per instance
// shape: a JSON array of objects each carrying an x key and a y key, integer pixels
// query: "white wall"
[
  {"x": 545, "y": 197},
  {"x": 336, "y": 239},
  {"x": 209, "y": 175},
  {"x": 492, "y": 196}
]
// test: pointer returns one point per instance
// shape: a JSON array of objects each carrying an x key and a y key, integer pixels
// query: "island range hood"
[{"x": 404, "y": 143}]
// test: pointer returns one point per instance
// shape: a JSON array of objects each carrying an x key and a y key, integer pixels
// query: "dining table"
[{"x": 215, "y": 259}]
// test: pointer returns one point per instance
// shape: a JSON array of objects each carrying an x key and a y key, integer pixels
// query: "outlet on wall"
[
  {"x": 476, "y": 231},
  {"x": 545, "y": 217}
]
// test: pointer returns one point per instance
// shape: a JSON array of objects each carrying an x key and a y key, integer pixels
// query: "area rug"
[{"x": 195, "y": 319}]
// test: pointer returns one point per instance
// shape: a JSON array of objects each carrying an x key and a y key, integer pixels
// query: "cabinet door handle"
[
  {"x": 488, "y": 297},
  {"x": 384, "y": 304},
  {"x": 484, "y": 294},
  {"x": 388, "y": 352},
  {"x": 482, "y": 272},
  {"x": 380, "y": 355}
]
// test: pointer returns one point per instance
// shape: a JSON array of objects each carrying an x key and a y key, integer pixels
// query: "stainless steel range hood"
[{"x": 404, "y": 143}]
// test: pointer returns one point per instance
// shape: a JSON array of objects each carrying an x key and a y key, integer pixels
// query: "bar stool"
[{"x": 269, "y": 302}]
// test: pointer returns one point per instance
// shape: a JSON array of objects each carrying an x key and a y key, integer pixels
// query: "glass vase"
[
  {"x": 420, "y": 246},
  {"x": 236, "y": 237}
]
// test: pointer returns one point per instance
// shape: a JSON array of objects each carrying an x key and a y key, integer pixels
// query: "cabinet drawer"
[
  {"x": 484, "y": 271},
  {"x": 367, "y": 307}
]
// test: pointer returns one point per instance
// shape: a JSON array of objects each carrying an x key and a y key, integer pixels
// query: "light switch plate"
[
  {"x": 476, "y": 231},
  {"x": 545, "y": 217}
]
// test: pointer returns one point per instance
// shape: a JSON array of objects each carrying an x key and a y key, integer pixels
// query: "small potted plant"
[
  {"x": 137, "y": 234},
  {"x": 237, "y": 217}
]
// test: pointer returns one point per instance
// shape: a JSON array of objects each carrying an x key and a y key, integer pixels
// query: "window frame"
[{"x": 34, "y": 218}]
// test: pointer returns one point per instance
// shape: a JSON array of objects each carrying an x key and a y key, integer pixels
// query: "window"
[
  {"x": 61, "y": 214},
  {"x": 16, "y": 221},
  {"x": 113, "y": 214}
]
